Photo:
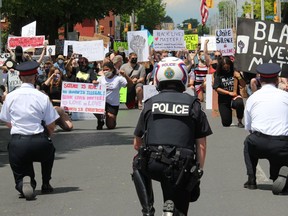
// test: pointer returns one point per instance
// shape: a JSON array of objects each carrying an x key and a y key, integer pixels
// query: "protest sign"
[
  {"x": 26, "y": 42},
  {"x": 191, "y": 41},
  {"x": 211, "y": 46},
  {"x": 3, "y": 58},
  {"x": 118, "y": 44},
  {"x": 92, "y": 50},
  {"x": 138, "y": 43},
  {"x": 123, "y": 94},
  {"x": 29, "y": 30},
  {"x": 260, "y": 42},
  {"x": 224, "y": 41},
  {"x": 171, "y": 40},
  {"x": 83, "y": 97},
  {"x": 13, "y": 80},
  {"x": 50, "y": 50},
  {"x": 59, "y": 47}
]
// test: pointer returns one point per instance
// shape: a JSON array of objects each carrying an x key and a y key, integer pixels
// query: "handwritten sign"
[
  {"x": 191, "y": 41},
  {"x": 83, "y": 97},
  {"x": 172, "y": 40},
  {"x": 224, "y": 41},
  {"x": 211, "y": 46},
  {"x": 26, "y": 42},
  {"x": 260, "y": 42},
  {"x": 29, "y": 30},
  {"x": 92, "y": 50},
  {"x": 13, "y": 80},
  {"x": 123, "y": 94},
  {"x": 118, "y": 44}
]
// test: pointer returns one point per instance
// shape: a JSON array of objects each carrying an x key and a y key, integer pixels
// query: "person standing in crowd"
[
  {"x": 118, "y": 62},
  {"x": 137, "y": 73},
  {"x": 29, "y": 142},
  {"x": 113, "y": 83},
  {"x": 60, "y": 64},
  {"x": 166, "y": 152},
  {"x": 266, "y": 118},
  {"x": 226, "y": 83}
]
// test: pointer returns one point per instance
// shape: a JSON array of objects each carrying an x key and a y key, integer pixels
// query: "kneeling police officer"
[{"x": 171, "y": 141}]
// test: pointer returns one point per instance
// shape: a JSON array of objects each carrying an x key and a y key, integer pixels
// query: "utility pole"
[
  {"x": 252, "y": 9},
  {"x": 278, "y": 3}
]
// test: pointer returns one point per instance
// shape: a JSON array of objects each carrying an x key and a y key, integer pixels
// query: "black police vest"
[{"x": 169, "y": 120}]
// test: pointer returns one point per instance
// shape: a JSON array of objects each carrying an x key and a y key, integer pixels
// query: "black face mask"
[
  {"x": 214, "y": 66},
  {"x": 133, "y": 60},
  {"x": 225, "y": 71}
]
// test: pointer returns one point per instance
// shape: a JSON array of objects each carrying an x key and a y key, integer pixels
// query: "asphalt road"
[{"x": 91, "y": 176}]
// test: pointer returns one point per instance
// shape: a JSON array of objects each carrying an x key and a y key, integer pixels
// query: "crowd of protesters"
[{"x": 230, "y": 85}]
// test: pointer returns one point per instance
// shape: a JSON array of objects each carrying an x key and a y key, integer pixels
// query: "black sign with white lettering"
[
  {"x": 260, "y": 42},
  {"x": 167, "y": 108}
]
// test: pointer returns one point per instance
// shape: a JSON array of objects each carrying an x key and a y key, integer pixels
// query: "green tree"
[
  {"x": 268, "y": 8},
  {"x": 167, "y": 19},
  {"x": 52, "y": 14},
  {"x": 151, "y": 14},
  {"x": 194, "y": 22}
]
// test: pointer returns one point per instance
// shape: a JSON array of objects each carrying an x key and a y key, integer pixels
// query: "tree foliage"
[
  {"x": 52, "y": 14},
  {"x": 268, "y": 8},
  {"x": 151, "y": 14},
  {"x": 194, "y": 22}
]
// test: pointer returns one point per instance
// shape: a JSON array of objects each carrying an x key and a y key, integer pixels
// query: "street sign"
[{"x": 270, "y": 16}]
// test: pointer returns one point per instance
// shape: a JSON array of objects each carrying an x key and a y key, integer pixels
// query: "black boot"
[
  {"x": 251, "y": 183},
  {"x": 144, "y": 191}
]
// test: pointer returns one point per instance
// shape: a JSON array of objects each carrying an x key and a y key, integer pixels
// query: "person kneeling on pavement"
[{"x": 173, "y": 149}]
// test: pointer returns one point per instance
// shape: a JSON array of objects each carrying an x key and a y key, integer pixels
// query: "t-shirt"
[
  {"x": 138, "y": 70},
  {"x": 113, "y": 86}
]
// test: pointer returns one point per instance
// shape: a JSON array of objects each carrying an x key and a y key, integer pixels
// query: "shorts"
[{"x": 111, "y": 109}]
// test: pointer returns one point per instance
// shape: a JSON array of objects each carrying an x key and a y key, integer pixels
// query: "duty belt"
[{"x": 161, "y": 157}]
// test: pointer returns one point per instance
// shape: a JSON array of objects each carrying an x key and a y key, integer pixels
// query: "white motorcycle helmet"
[{"x": 171, "y": 69}]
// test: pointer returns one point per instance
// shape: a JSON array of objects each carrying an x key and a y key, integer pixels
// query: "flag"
[{"x": 204, "y": 12}]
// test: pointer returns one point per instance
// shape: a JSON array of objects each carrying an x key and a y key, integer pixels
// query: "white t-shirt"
[{"x": 113, "y": 86}]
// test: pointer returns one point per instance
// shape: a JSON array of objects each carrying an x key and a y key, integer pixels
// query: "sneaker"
[
  {"x": 46, "y": 188},
  {"x": 100, "y": 125},
  {"x": 27, "y": 189},
  {"x": 240, "y": 125},
  {"x": 280, "y": 182},
  {"x": 168, "y": 208}
]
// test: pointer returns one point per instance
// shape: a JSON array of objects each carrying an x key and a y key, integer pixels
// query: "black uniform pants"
[
  {"x": 225, "y": 110},
  {"x": 158, "y": 171},
  {"x": 261, "y": 146},
  {"x": 24, "y": 150}
]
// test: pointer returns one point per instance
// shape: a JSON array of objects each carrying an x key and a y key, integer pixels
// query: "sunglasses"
[{"x": 216, "y": 56}]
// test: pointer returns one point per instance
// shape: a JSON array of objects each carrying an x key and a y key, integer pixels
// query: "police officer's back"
[
  {"x": 174, "y": 129},
  {"x": 25, "y": 111}
]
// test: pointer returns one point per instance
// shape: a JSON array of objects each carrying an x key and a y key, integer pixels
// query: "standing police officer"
[
  {"x": 266, "y": 118},
  {"x": 174, "y": 144},
  {"x": 25, "y": 111}
]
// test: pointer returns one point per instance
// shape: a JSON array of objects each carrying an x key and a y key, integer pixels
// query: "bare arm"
[
  {"x": 201, "y": 151},
  {"x": 137, "y": 142},
  {"x": 51, "y": 128}
]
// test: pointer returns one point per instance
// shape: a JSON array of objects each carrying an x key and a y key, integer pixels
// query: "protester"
[
  {"x": 226, "y": 83},
  {"x": 137, "y": 73},
  {"x": 113, "y": 83},
  {"x": 29, "y": 142},
  {"x": 53, "y": 88}
]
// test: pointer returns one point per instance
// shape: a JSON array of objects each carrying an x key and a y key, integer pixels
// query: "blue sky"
[{"x": 180, "y": 10}]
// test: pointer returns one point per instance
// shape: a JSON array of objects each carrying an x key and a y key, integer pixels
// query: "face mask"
[
  {"x": 47, "y": 70},
  {"x": 225, "y": 71},
  {"x": 108, "y": 74},
  {"x": 57, "y": 77},
  {"x": 60, "y": 61},
  {"x": 214, "y": 66},
  {"x": 91, "y": 66},
  {"x": 202, "y": 58},
  {"x": 134, "y": 60}
]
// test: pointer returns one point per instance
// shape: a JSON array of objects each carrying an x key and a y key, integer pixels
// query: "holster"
[
  {"x": 189, "y": 174},
  {"x": 141, "y": 160}
]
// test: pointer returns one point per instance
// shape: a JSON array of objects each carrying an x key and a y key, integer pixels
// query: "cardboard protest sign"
[
  {"x": 59, "y": 47},
  {"x": 123, "y": 94},
  {"x": 29, "y": 30},
  {"x": 138, "y": 43},
  {"x": 92, "y": 50},
  {"x": 50, "y": 50},
  {"x": 118, "y": 44},
  {"x": 83, "y": 97},
  {"x": 171, "y": 40},
  {"x": 191, "y": 41},
  {"x": 224, "y": 41},
  {"x": 13, "y": 80},
  {"x": 26, "y": 42},
  {"x": 260, "y": 42}
]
